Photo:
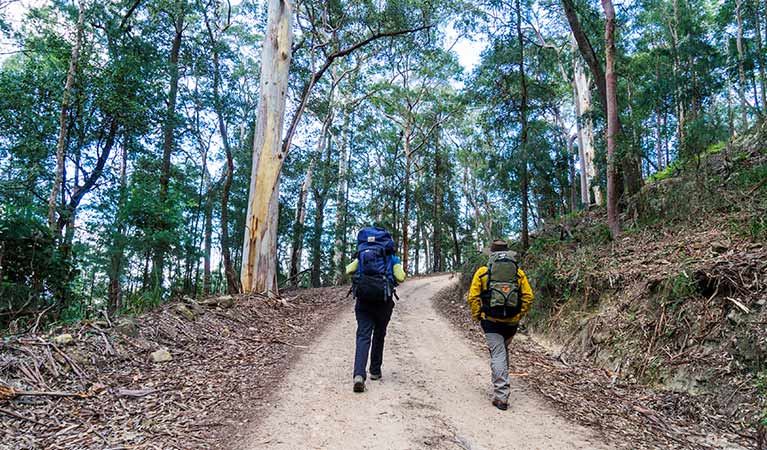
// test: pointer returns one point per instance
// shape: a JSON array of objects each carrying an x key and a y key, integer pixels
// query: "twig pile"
[{"x": 103, "y": 391}]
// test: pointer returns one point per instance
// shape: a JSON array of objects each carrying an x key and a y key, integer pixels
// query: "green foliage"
[
  {"x": 678, "y": 288},
  {"x": 32, "y": 269},
  {"x": 419, "y": 129}
]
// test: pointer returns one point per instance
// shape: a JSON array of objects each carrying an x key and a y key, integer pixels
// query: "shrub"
[{"x": 32, "y": 270}]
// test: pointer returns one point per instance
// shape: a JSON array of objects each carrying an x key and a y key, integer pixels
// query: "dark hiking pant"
[{"x": 372, "y": 321}]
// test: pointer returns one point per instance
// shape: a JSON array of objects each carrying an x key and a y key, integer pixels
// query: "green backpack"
[{"x": 501, "y": 299}]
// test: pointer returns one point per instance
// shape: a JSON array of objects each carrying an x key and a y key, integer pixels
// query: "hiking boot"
[
  {"x": 375, "y": 376},
  {"x": 359, "y": 384},
  {"x": 503, "y": 406}
]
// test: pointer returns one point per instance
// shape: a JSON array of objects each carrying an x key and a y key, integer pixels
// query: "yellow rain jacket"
[{"x": 479, "y": 284}]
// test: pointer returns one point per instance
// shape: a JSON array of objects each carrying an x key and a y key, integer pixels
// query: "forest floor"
[
  {"x": 271, "y": 374},
  {"x": 103, "y": 390}
]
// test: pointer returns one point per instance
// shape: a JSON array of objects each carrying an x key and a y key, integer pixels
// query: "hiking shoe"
[
  {"x": 375, "y": 376},
  {"x": 359, "y": 384},
  {"x": 503, "y": 406}
]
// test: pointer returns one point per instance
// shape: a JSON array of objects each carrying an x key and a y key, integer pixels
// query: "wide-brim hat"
[{"x": 498, "y": 245}]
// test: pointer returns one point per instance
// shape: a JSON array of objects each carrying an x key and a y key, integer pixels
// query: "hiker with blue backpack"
[
  {"x": 376, "y": 271},
  {"x": 500, "y": 296}
]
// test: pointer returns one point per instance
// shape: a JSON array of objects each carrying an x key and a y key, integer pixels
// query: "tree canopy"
[{"x": 127, "y": 132}]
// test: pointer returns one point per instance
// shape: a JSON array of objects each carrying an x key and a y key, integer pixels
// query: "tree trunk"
[
  {"x": 418, "y": 241},
  {"x": 630, "y": 161},
  {"x": 63, "y": 118},
  {"x": 612, "y": 117},
  {"x": 634, "y": 172},
  {"x": 259, "y": 251},
  {"x": 406, "y": 210},
  {"x": 320, "y": 199},
  {"x": 457, "y": 247},
  {"x": 523, "y": 133},
  {"x": 760, "y": 56},
  {"x": 730, "y": 111},
  {"x": 741, "y": 69},
  {"x": 658, "y": 140},
  {"x": 298, "y": 223},
  {"x": 232, "y": 280},
  {"x": 571, "y": 169},
  {"x": 117, "y": 255},
  {"x": 339, "y": 244},
  {"x": 208, "y": 240},
  {"x": 677, "y": 69},
  {"x": 437, "y": 213},
  {"x": 167, "y": 145},
  {"x": 587, "y": 51},
  {"x": 585, "y": 127},
  {"x": 306, "y": 186}
]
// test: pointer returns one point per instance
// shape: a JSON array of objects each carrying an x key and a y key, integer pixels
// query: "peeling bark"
[{"x": 259, "y": 252}]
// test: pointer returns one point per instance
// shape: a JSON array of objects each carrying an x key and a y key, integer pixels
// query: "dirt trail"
[{"x": 435, "y": 393}]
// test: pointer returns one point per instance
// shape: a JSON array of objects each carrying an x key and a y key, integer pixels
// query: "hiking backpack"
[
  {"x": 502, "y": 298},
  {"x": 374, "y": 280}
]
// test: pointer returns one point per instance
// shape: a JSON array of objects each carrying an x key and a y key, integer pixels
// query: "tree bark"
[
  {"x": 339, "y": 243},
  {"x": 63, "y": 118},
  {"x": 730, "y": 111},
  {"x": 168, "y": 138},
  {"x": 571, "y": 169},
  {"x": 629, "y": 162},
  {"x": 208, "y": 239},
  {"x": 677, "y": 69},
  {"x": 612, "y": 117},
  {"x": 741, "y": 69},
  {"x": 760, "y": 57},
  {"x": 298, "y": 223},
  {"x": 587, "y": 51},
  {"x": 585, "y": 127},
  {"x": 636, "y": 145},
  {"x": 456, "y": 246},
  {"x": 406, "y": 181},
  {"x": 259, "y": 251},
  {"x": 523, "y": 133},
  {"x": 320, "y": 200},
  {"x": 437, "y": 212},
  {"x": 117, "y": 256}
]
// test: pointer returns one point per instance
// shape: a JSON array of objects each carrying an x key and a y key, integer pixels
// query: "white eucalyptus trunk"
[
  {"x": 585, "y": 126},
  {"x": 343, "y": 168},
  {"x": 259, "y": 251}
]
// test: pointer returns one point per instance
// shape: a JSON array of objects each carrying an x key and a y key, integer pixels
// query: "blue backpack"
[{"x": 374, "y": 280}]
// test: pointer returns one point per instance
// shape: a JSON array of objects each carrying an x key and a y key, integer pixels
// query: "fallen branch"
[
  {"x": 135, "y": 393},
  {"x": 8, "y": 412},
  {"x": 9, "y": 393},
  {"x": 740, "y": 305},
  {"x": 755, "y": 188}
]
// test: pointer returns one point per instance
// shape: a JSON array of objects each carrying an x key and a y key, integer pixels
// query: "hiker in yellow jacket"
[{"x": 499, "y": 304}]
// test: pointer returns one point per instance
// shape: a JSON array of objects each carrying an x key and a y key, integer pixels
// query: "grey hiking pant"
[
  {"x": 498, "y": 338},
  {"x": 499, "y": 364}
]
